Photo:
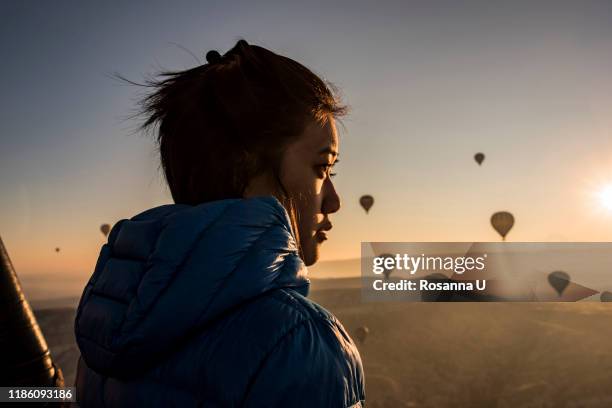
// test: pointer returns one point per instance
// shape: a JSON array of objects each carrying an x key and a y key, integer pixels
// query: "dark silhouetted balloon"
[
  {"x": 502, "y": 222},
  {"x": 362, "y": 333},
  {"x": 606, "y": 296},
  {"x": 559, "y": 280},
  {"x": 57, "y": 249},
  {"x": 25, "y": 354},
  {"x": 387, "y": 271},
  {"x": 479, "y": 157},
  {"x": 105, "y": 228},
  {"x": 366, "y": 202}
]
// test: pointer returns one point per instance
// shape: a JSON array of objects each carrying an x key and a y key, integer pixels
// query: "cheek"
[
  {"x": 302, "y": 182},
  {"x": 306, "y": 188}
]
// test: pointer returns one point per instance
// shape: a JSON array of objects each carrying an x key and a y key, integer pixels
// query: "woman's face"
[{"x": 306, "y": 174}]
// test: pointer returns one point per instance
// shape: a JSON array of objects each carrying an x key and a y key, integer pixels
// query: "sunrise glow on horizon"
[{"x": 428, "y": 87}]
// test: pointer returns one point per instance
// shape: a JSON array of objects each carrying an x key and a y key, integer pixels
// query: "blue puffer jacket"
[{"x": 206, "y": 306}]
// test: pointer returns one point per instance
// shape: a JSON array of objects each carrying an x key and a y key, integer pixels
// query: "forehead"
[{"x": 319, "y": 138}]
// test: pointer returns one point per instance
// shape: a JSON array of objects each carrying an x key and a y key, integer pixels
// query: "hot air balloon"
[
  {"x": 606, "y": 296},
  {"x": 559, "y": 280},
  {"x": 26, "y": 359},
  {"x": 502, "y": 222},
  {"x": 387, "y": 271},
  {"x": 479, "y": 157},
  {"x": 57, "y": 249},
  {"x": 366, "y": 202},
  {"x": 105, "y": 228},
  {"x": 361, "y": 333}
]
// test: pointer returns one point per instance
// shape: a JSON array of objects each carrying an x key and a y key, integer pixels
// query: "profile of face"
[{"x": 307, "y": 177}]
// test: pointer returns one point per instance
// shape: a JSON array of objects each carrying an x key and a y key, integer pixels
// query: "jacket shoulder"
[
  {"x": 284, "y": 345},
  {"x": 313, "y": 363}
]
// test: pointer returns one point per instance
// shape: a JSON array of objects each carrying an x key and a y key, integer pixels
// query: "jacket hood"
[{"x": 173, "y": 269}]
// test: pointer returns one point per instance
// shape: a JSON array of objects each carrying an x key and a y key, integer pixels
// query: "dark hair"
[{"x": 226, "y": 121}]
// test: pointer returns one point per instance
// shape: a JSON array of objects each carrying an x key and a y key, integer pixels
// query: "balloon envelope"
[
  {"x": 479, "y": 157},
  {"x": 606, "y": 296},
  {"x": 366, "y": 202},
  {"x": 57, "y": 249},
  {"x": 559, "y": 280},
  {"x": 502, "y": 222},
  {"x": 105, "y": 228}
]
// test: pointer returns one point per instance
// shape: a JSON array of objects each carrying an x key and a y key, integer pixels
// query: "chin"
[{"x": 311, "y": 254}]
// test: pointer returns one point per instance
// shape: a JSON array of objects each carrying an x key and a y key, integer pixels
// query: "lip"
[{"x": 321, "y": 236}]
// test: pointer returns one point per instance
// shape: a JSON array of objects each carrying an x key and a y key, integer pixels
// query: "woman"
[{"x": 203, "y": 302}]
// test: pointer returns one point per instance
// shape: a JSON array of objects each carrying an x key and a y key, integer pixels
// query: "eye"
[
  {"x": 323, "y": 169},
  {"x": 335, "y": 162}
]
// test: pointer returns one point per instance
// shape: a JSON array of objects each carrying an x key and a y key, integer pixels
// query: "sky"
[{"x": 429, "y": 84}]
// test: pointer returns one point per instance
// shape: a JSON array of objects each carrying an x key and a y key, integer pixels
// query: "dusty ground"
[
  {"x": 57, "y": 326},
  {"x": 452, "y": 354}
]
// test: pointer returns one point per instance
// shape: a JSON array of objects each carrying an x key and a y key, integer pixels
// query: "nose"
[{"x": 331, "y": 199}]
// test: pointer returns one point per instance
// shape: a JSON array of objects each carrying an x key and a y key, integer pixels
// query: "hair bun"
[{"x": 212, "y": 56}]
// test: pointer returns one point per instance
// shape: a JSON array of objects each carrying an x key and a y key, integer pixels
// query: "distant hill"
[
  {"x": 343, "y": 268},
  {"x": 55, "y": 303}
]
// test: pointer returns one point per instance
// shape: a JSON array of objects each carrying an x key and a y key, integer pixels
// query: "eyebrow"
[{"x": 328, "y": 150}]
